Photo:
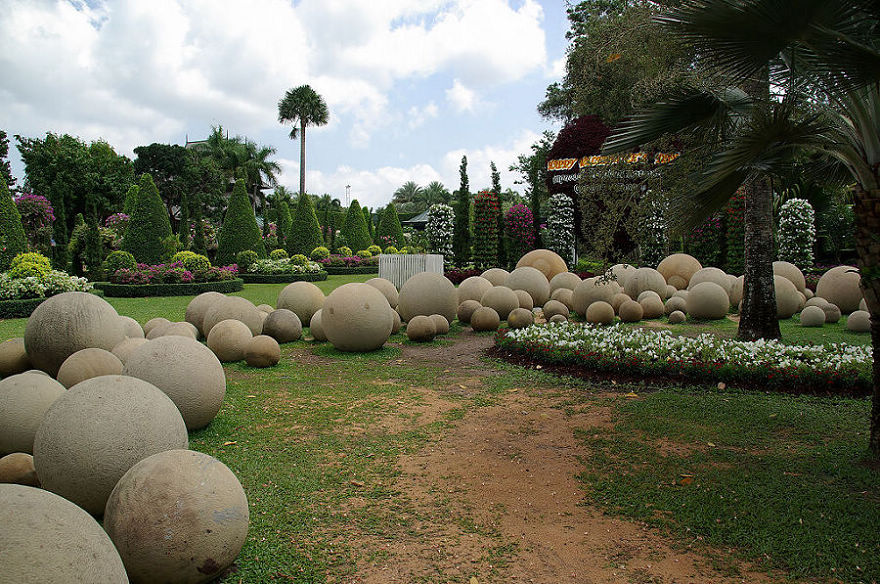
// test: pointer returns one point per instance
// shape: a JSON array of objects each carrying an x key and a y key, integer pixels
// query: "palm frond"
[{"x": 689, "y": 211}]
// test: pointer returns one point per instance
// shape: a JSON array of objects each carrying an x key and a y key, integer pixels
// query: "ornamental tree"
[
  {"x": 37, "y": 216},
  {"x": 239, "y": 230},
  {"x": 518, "y": 232},
  {"x": 390, "y": 231},
  {"x": 12, "y": 237},
  {"x": 797, "y": 232},
  {"x": 487, "y": 211},
  {"x": 440, "y": 229},
  {"x": 559, "y": 235},
  {"x": 461, "y": 243},
  {"x": 354, "y": 230},
  {"x": 305, "y": 232},
  {"x": 148, "y": 226}
]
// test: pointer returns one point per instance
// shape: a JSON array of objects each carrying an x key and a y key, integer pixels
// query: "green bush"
[
  {"x": 239, "y": 231},
  {"x": 355, "y": 231},
  {"x": 27, "y": 265},
  {"x": 30, "y": 258},
  {"x": 374, "y": 250},
  {"x": 245, "y": 259},
  {"x": 345, "y": 251},
  {"x": 404, "y": 250},
  {"x": 364, "y": 253},
  {"x": 130, "y": 203},
  {"x": 389, "y": 231},
  {"x": 93, "y": 253},
  {"x": 305, "y": 232},
  {"x": 285, "y": 222},
  {"x": 319, "y": 253},
  {"x": 298, "y": 259},
  {"x": 279, "y": 254},
  {"x": 13, "y": 240},
  {"x": 149, "y": 225},
  {"x": 391, "y": 249},
  {"x": 119, "y": 260},
  {"x": 192, "y": 261}
]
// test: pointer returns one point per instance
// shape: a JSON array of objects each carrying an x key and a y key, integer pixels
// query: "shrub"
[
  {"x": 345, "y": 251},
  {"x": 93, "y": 252},
  {"x": 117, "y": 222},
  {"x": 30, "y": 258},
  {"x": 119, "y": 260},
  {"x": 390, "y": 231},
  {"x": 27, "y": 265},
  {"x": 391, "y": 249},
  {"x": 559, "y": 235},
  {"x": 364, "y": 254},
  {"x": 149, "y": 224},
  {"x": 404, "y": 250},
  {"x": 339, "y": 243},
  {"x": 51, "y": 283},
  {"x": 305, "y": 232},
  {"x": 37, "y": 216},
  {"x": 279, "y": 254},
  {"x": 299, "y": 259},
  {"x": 245, "y": 259},
  {"x": 283, "y": 266},
  {"x": 355, "y": 228},
  {"x": 374, "y": 250},
  {"x": 797, "y": 232},
  {"x": 130, "y": 203},
  {"x": 838, "y": 227},
  {"x": 12, "y": 237},
  {"x": 320, "y": 253},
  {"x": 285, "y": 222},
  {"x": 192, "y": 261},
  {"x": 270, "y": 239},
  {"x": 519, "y": 230},
  {"x": 172, "y": 273},
  {"x": 239, "y": 231},
  {"x": 487, "y": 210},
  {"x": 440, "y": 229}
]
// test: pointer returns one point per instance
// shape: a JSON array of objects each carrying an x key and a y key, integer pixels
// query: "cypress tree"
[
  {"x": 496, "y": 188},
  {"x": 239, "y": 230},
  {"x": 461, "y": 238},
  {"x": 305, "y": 232},
  {"x": 76, "y": 246},
  {"x": 183, "y": 226},
  {"x": 93, "y": 251},
  {"x": 368, "y": 218},
  {"x": 357, "y": 237},
  {"x": 390, "y": 228},
  {"x": 148, "y": 226},
  {"x": 285, "y": 221},
  {"x": 198, "y": 244},
  {"x": 128, "y": 206},
  {"x": 13, "y": 240}
]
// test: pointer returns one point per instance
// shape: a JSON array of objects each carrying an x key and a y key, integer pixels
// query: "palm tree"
[
  {"x": 435, "y": 193},
  {"x": 259, "y": 170},
  {"x": 303, "y": 106},
  {"x": 407, "y": 196}
]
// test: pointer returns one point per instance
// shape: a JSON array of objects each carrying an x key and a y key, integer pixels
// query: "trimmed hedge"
[
  {"x": 305, "y": 232},
  {"x": 13, "y": 240},
  {"x": 19, "y": 308},
  {"x": 148, "y": 226},
  {"x": 355, "y": 231},
  {"x": 239, "y": 230},
  {"x": 347, "y": 271},
  {"x": 283, "y": 278},
  {"x": 191, "y": 289}
]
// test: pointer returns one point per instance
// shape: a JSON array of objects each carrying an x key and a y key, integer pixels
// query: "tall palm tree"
[
  {"x": 435, "y": 193},
  {"x": 302, "y": 105},
  {"x": 259, "y": 170},
  {"x": 407, "y": 197}
]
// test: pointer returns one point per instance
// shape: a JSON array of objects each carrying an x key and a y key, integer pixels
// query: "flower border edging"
[
  {"x": 282, "y": 278},
  {"x": 346, "y": 271},
  {"x": 191, "y": 289}
]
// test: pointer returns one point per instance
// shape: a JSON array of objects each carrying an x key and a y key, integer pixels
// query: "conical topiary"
[
  {"x": 389, "y": 231},
  {"x": 148, "y": 225},
  {"x": 13, "y": 240},
  {"x": 285, "y": 221},
  {"x": 357, "y": 236},
  {"x": 128, "y": 206},
  {"x": 305, "y": 232},
  {"x": 239, "y": 230}
]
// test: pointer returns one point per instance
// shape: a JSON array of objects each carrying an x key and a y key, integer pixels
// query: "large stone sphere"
[
  {"x": 809, "y": 294},
  {"x": 677, "y": 317},
  {"x": 473, "y": 288},
  {"x": 387, "y": 288},
  {"x": 648, "y": 294},
  {"x": 715, "y": 275},
  {"x": 187, "y": 371},
  {"x": 788, "y": 301},
  {"x": 132, "y": 328},
  {"x": 545, "y": 261},
  {"x": 66, "y": 323},
  {"x": 525, "y": 299},
  {"x": 708, "y": 300},
  {"x": 678, "y": 268},
  {"x": 396, "y": 323},
  {"x": 355, "y": 318},
  {"x": 88, "y": 363},
  {"x": 124, "y": 349},
  {"x": 630, "y": 311},
  {"x": 48, "y": 539},
  {"x": 428, "y": 293},
  {"x": 520, "y": 318},
  {"x": 18, "y": 468},
  {"x": 619, "y": 299},
  {"x": 13, "y": 357},
  {"x": 485, "y": 319},
  {"x": 198, "y": 306},
  {"x": 591, "y": 290},
  {"x": 832, "y": 313},
  {"x": 267, "y": 308},
  {"x": 532, "y": 281},
  {"x": 98, "y": 430},
  {"x": 670, "y": 290},
  {"x": 153, "y": 323},
  {"x": 421, "y": 329},
  {"x": 816, "y": 301},
  {"x": 283, "y": 325},
  {"x": 262, "y": 351},
  {"x": 229, "y": 339},
  {"x": 736, "y": 291},
  {"x": 567, "y": 280},
  {"x": 859, "y": 321},
  {"x": 600, "y": 312},
  {"x": 302, "y": 298},
  {"x": 497, "y": 276},
  {"x": 235, "y": 308},
  {"x": 24, "y": 400},
  {"x": 466, "y": 309},
  {"x": 652, "y": 306},
  {"x": 792, "y": 272},
  {"x": 178, "y": 329},
  {"x": 621, "y": 273},
  {"x": 554, "y": 307},
  {"x": 557, "y": 319},
  {"x": 812, "y": 316},
  {"x": 645, "y": 279},
  {"x": 565, "y": 296},
  {"x": 675, "y": 303},
  {"x": 838, "y": 286},
  {"x": 316, "y": 328},
  {"x": 177, "y": 516},
  {"x": 501, "y": 299},
  {"x": 441, "y": 325}
]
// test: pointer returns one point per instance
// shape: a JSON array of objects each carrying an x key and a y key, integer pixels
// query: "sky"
[{"x": 411, "y": 85}]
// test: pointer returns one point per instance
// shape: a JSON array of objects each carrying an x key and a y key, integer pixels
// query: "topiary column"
[
  {"x": 148, "y": 226},
  {"x": 560, "y": 227},
  {"x": 440, "y": 229},
  {"x": 797, "y": 232},
  {"x": 13, "y": 240},
  {"x": 389, "y": 231},
  {"x": 239, "y": 230},
  {"x": 305, "y": 232},
  {"x": 357, "y": 236},
  {"x": 487, "y": 211}
]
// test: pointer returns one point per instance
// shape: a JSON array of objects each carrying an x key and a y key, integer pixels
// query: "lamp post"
[{"x": 347, "y": 195}]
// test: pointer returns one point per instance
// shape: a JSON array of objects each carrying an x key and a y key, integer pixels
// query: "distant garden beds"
[
  {"x": 19, "y": 308},
  {"x": 185, "y": 289},
  {"x": 283, "y": 278},
  {"x": 348, "y": 270}
]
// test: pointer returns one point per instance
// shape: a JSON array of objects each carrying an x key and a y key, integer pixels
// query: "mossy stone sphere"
[
  {"x": 473, "y": 288},
  {"x": 355, "y": 318},
  {"x": 485, "y": 319},
  {"x": 532, "y": 281},
  {"x": 565, "y": 296},
  {"x": 525, "y": 299},
  {"x": 715, "y": 275},
  {"x": 88, "y": 363},
  {"x": 24, "y": 400},
  {"x": 792, "y": 272},
  {"x": 18, "y": 469},
  {"x": 198, "y": 306},
  {"x": 466, "y": 309},
  {"x": 708, "y": 300},
  {"x": 788, "y": 301},
  {"x": 441, "y": 325},
  {"x": 66, "y": 323},
  {"x": 82, "y": 460},
  {"x": 234, "y": 308},
  {"x": 421, "y": 329},
  {"x": 262, "y": 351},
  {"x": 185, "y": 370},
  {"x": 554, "y": 307},
  {"x": 645, "y": 279},
  {"x": 840, "y": 286},
  {"x": 13, "y": 357},
  {"x": 812, "y": 316},
  {"x": 591, "y": 290},
  {"x": 497, "y": 276},
  {"x": 47, "y": 539},
  {"x": 557, "y": 318},
  {"x": 859, "y": 321},
  {"x": 678, "y": 268},
  {"x": 677, "y": 317},
  {"x": 387, "y": 288},
  {"x": 630, "y": 311},
  {"x": 619, "y": 299},
  {"x": 229, "y": 339},
  {"x": 124, "y": 349},
  {"x": 132, "y": 328},
  {"x": 501, "y": 299},
  {"x": 427, "y": 293},
  {"x": 832, "y": 313},
  {"x": 564, "y": 280},
  {"x": 177, "y": 516},
  {"x": 600, "y": 312},
  {"x": 621, "y": 273},
  {"x": 154, "y": 323},
  {"x": 283, "y": 325},
  {"x": 316, "y": 328},
  {"x": 520, "y": 318},
  {"x": 675, "y": 303},
  {"x": 652, "y": 307},
  {"x": 545, "y": 261},
  {"x": 302, "y": 298}
]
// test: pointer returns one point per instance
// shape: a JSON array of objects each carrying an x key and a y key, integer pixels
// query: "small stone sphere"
[
  {"x": 176, "y": 329},
  {"x": 265, "y": 308},
  {"x": 466, "y": 309},
  {"x": 670, "y": 290},
  {"x": 421, "y": 329},
  {"x": 809, "y": 294},
  {"x": 428, "y": 293},
  {"x": 525, "y": 299},
  {"x": 485, "y": 319},
  {"x": 716, "y": 275},
  {"x": 82, "y": 460},
  {"x": 132, "y": 328},
  {"x": 501, "y": 299},
  {"x": 788, "y": 301},
  {"x": 185, "y": 370},
  {"x": 736, "y": 290},
  {"x": 792, "y": 272},
  {"x": 473, "y": 288},
  {"x": 816, "y": 301},
  {"x": 124, "y": 349},
  {"x": 302, "y": 298},
  {"x": 88, "y": 363},
  {"x": 708, "y": 300},
  {"x": 645, "y": 279},
  {"x": 153, "y": 323},
  {"x": 832, "y": 313},
  {"x": 564, "y": 280},
  {"x": 554, "y": 307},
  {"x": 395, "y": 322},
  {"x": 803, "y": 301},
  {"x": 283, "y": 325},
  {"x": 859, "y": 321},
  {"x": 13, "y": 357},
  {"x": 600, "y": 312},
  {"x": 648, "y": 294},
  {"x": 24, "y": 400},
  {"x": 235, "y": 308},
  {"x": 65, "y": 323},
  {"x": 863, "y": 304},
  {"x": 532, "y": 281},
  {"x": 441, "y": 325},
  {"x": 652, "y": 307},
  {"x": 630, "y": 311},
  {"x": 18, "y": 468},
  {"x": 619, "y": 299},
  {"x": 355, "y": 318},
  {"x": 229, "y": 339},
  {"x": 677, "y": 317},
  {"x": 46, "y": 538},
  {"x": 316, "y": 328},
  {"x": 681, "y": 294},
  {"x": 262, "y": 351},
  {"x": 678, "y": 268},
  {"x": 840, "y": 286},
  {"x": 675, "y": 303},
  {"x": 557, "y": 318},
  {"x": 191, "y": 496},
  {"x": 520, "y": 318},
  {"x": 812, "y": 316},
  {"x": 545, "y": 261},
  {"x": 496, "y": 276},
  {"x": 198, "y": 306},
  {"x": 565, "y": 296},
  {"x": 591, "y": 290},
  {"x": 387, "y": 288},
  {"x": 621, "y": 273}
]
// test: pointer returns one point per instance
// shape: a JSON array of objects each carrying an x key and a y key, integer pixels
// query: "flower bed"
[
  {"x": 276, "y": 271},
  {"x": 837, "y": 368},
  {"x": 284, "y": 278},
  {"x": 337, "y": 265},
  {"x": 172, "y": 279},
  {"x": 459, "y": 275},
  {"x": 20, "y": 296},
  {"x": 183, "y": 289}
]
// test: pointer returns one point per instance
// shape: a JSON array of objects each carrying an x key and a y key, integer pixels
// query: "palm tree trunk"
[
  {"x": 302, "y": 157},
  {"x": 758, "y": 316},
  {"x": 867, "y": 211}
]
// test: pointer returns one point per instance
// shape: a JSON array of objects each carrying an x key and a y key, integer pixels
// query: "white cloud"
[
  {"x": 416, "y": 116},
  {"x": 461, "y": 98},
  {"x": 557, "y": 69}
]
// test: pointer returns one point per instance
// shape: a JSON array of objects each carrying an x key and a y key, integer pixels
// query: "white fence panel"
[{"x": 398, "y": 268}]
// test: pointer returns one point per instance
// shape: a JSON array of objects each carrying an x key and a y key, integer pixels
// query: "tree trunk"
[
  {"x": 302, "y": 158},
  {"x": 758, "y": 316}
]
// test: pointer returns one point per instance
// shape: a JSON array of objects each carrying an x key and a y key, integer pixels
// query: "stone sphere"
[
  {"x": 485, "y": 319},
  {"x": 302, "y": 298},
  {"x": 803, "y": 301},
  {"x": 681, "y": 294},
  {"x": 591, "y": 290},
  {"x": 792, "y": 272},
  {"x": 677, "y": 317},
  {"x": 355, "y": 318},
  {"x": 832, "y": 313},
  {"x": 563, "y": 295},
  {"x": 177, "y": 516},
  {"x": 229, "y": 339},
  {"x": 283, "y": 325},
  {"x": 124, "y": 349},
  {"x": 82, "y": 460},
  {"x": 88, "y": 363},
  {"x": 48, "y": 539},
  {"x": 630, "y": 311},
  {"x": 652, "y": 307},
  {"x": 545, "y": 261},
  {"x": 441, "y": 325},
  {"x": 262, "y": 351},
  {"x": 387, "y": 288},
  {"x": 812, "y": 316},
  {"x": 421, "y": 329},
  {"x": 859, "y": 321},
  {"x": 715, "y": 275},
  {"x": 564, "y": 280},
  {"x": 557, "y": 318},
  {"x": 600, "y": 312},
  {"x": 670, "y": 290},
  {"x": 809, "y": 294},
  {"x": 265, "y": 308},
  {"x": 496, "y": 276},
  {"x": 24, "y": 400},
  {"x": 428, "y": 293},
  {"x": 554, "y": 307},
  {"x": 520, "y": 318},
  {"x": 648, "y": 294},
  {"x": 316, "y": 328},
  {"x": 131, "y": 328},
  {"x": 863, "y": 304},
  {"x": 645, "y": 279},
  {"x": 675, "y": 303},
  {"x": 233, "y": 308},
  {"x": 180, "y": 329},
  {"x": 185, "y": 370},
  {"x": 678, "y": 268},
  {"x": 395, "y": 322},
  {"x": 788, "y": 301},
  {"x": 66, "y": 323},
  {"x": 153, "y": 323},
  {"x": 18, "y": 468},
  {"x": 473, "y": 288},
  {"x": 619, "y": 299},
  {"x": 621, "y": 273},
  {"x": 708, "y": 300},
  {"x": 198, "y": 306},
  {"x": 532, "y": 281},
  {"x": 816, "y": 301},
  {"x": 840, "y": 286},
  {"x": 736, "y": 291},
  {"x": 466, "y": 309},
  {"x": 525, "y": 299},
  {"x": 501, "y": 299},
  {"x": 13, "y": 357}
]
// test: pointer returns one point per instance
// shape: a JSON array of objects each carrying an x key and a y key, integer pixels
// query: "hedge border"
[
  {"x": 282, "y": 278},
  {"x": 192, "y": 289},
  {"x": 20, "y": 308},
  {"x": 349, "y": 270}
]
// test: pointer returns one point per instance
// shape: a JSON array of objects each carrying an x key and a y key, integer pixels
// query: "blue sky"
[{"x": 411, "y": 85}]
